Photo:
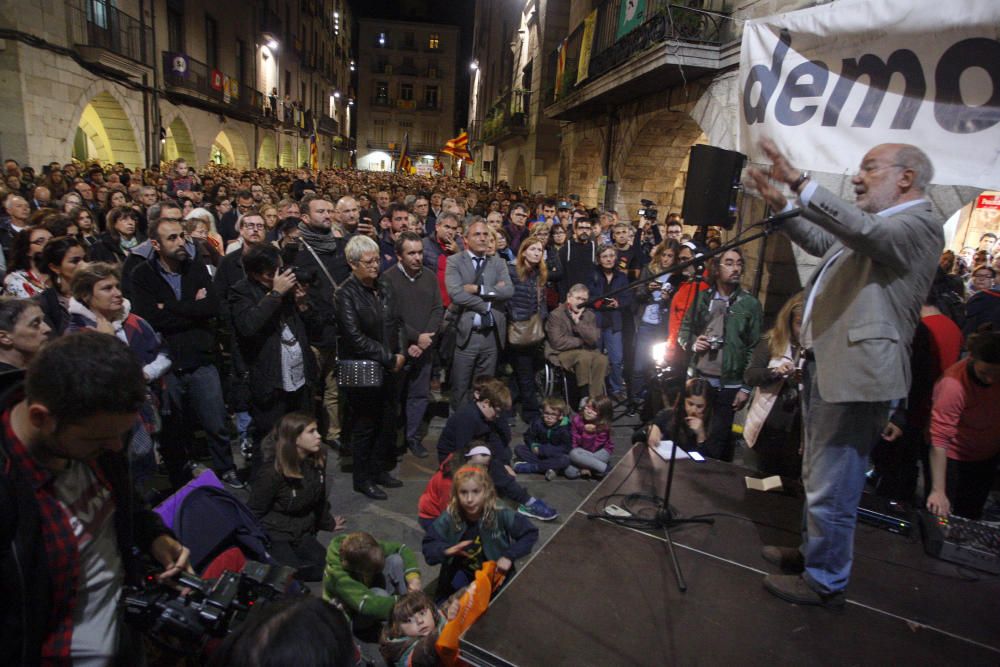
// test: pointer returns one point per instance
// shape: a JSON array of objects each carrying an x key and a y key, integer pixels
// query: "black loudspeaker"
[{"x": 713, "y": 181}]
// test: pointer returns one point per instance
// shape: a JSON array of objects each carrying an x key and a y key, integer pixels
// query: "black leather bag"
[{"x": 359, "y": 373}]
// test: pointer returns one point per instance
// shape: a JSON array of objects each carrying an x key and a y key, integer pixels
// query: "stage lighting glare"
[{"x": 659, "y": 353}]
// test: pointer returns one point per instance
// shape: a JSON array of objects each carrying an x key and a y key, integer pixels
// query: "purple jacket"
[{"x": 592, "y": 442}]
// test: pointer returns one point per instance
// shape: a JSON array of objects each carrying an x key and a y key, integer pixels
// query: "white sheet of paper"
[{"x": 664, "y": 449}]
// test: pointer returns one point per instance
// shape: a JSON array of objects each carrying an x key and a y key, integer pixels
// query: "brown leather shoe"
[
  {"x": 793, "y": 588},
  {"x": 789, "y": 559}
]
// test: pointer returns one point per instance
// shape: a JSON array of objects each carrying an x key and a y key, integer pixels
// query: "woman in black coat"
[
  {"x": 366, "y": 332},
  {"x": 289, "y": 495},
  {"x": 121, "y": 236},
  {"x": 269, "y": 310}
]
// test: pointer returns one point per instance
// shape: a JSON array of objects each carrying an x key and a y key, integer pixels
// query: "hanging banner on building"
[
  {"x": 234, "y": 88},
  {"x": 216, "y": 80},
  {"x": 560, "y": 69},
  {"x": 225, "y": 89},
  {"x": 630, "y": 16},
  {"x": 589, "y": 24},
  {"x": 179, "y": 65},
  {"x": 829, "y": 82}
]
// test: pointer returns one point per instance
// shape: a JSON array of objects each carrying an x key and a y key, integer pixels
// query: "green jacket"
[
  {"x": 354, "y": 595},
  {"x": 742, "y": 326}
]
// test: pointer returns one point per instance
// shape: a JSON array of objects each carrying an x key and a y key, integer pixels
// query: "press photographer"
[{"x": 69, "y": 520}]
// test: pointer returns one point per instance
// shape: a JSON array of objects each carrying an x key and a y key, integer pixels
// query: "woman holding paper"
[{"x": 687, "y": 422}]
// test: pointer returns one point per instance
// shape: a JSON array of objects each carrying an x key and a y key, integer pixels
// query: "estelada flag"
[
  {"x": 458, "y": 147},
  {"x": 405, "y": 163}
]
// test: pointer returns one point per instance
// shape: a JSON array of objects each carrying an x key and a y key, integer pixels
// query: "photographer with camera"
[
  {"x": 270, "y": 309},
  {"x": 69, "y": 519},
  {"x": 720, "y": 331}
]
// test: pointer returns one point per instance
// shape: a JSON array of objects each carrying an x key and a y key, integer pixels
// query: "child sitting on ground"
[
  {"x": 475, "y": 530},
  {"x": 410, "y": 637},
  {"x": 434, "y": 500},
  {"x": 367, "y": 577},
  {"x": 547, "y": 443},
  {"x": 592, "y": 443},
  {"x": 482, "y": 419}
]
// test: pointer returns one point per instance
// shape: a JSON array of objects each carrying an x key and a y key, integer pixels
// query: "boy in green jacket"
[{"x": 367, "y": 577}]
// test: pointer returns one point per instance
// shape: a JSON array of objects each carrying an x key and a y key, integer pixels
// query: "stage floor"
[{"x": 603, "y": 594}]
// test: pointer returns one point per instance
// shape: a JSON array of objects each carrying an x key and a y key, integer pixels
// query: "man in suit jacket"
[
  {"x": 862, "y": 307},
  {"x": 479, "y": 286}
]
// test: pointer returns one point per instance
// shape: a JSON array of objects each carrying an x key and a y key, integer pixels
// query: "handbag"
[
  {"x": 526, "y": 332},
  {"x": 359, "y": 373}
]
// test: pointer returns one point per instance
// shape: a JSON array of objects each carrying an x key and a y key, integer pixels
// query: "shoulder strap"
[{"x": 322, "y": 266}]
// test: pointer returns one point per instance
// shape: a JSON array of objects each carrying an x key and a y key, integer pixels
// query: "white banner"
[{"x": 830, "y": 82}]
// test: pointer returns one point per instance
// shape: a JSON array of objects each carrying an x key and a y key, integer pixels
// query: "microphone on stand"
[{"x": 784, "y": 215}]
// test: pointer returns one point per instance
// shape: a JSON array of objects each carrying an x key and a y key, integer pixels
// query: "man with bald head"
[
  {"x": 40, "y": 198},
  {"x": 862, "y": 305}
]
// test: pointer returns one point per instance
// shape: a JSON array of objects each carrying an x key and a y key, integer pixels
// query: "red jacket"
[{"x": 435, "y": 498}]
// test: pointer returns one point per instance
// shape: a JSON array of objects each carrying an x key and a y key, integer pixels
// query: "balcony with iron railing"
[
  {"x": 328, "y": 125},
  {"x": 192, "y": 78},
  {"x": 633, "y": 55},
  {"x": 507, "y": 117},
  {"x": 99, "y": 26},
  {"x": 383, "y": 102}
]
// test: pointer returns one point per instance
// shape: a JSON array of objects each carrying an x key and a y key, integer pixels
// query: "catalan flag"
[
  {"x": 405, "y": 164},
  {"x": 458, "y": 147},
  {"x": 313, "y": 150}
]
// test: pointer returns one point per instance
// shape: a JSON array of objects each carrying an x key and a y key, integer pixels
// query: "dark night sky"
[{"x": 452, "y": 12}]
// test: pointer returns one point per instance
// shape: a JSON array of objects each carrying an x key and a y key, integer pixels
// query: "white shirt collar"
[{"x": 893, "y": 210}]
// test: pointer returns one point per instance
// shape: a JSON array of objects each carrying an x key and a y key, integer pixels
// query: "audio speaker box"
[{"x": 713, "y": 183}]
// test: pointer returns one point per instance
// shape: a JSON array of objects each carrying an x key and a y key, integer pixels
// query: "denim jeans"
[
  {"x": 838, "y": 439},
  {"x": 196, "y": 391},
  {"x": 611, "y": 343},
  {"x": 522, "y": 360},
  {"x": 416, "y": 395}
]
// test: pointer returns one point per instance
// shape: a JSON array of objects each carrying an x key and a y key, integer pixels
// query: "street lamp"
[{"x": 474, "y": 65}]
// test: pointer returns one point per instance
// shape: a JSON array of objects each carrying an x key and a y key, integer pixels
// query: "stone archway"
[
  {"x": 230, "y": 149},
  {"x": 655, "y": 165},
  {"x": 268, "y": 155},
  {"x": 179, "y": 143},
  {"x": 104, "y": 132},
  {"x": 585, "y": 171}
]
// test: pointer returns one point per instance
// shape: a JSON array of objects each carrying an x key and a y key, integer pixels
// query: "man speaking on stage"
[{"x": 878, "y": 258}]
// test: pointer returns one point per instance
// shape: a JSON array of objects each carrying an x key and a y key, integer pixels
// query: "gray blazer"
[
  {"x": 864, "y": 317},
  {"x": 461, "y": 271}
]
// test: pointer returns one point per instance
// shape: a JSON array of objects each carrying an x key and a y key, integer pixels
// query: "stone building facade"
[
  {"x": 138, "y": 81},
  {"x": 406, "y": 89}
]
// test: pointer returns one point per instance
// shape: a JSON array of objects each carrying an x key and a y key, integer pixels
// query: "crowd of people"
[{"x": 314, "y": 312}]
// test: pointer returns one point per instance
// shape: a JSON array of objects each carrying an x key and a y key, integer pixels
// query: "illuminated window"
[{"x": 434, "y": 41}]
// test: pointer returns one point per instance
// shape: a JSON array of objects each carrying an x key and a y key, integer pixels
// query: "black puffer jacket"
[{"x": 365, "y": 328}]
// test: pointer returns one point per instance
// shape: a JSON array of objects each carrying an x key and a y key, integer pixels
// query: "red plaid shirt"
[{"x": 61, "y": 549}]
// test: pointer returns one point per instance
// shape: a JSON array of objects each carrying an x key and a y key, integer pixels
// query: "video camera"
[
  {"x": 649, "y": 210},
  {"x": 213, "y": 609}
]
